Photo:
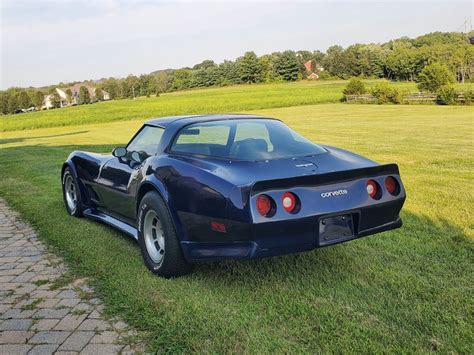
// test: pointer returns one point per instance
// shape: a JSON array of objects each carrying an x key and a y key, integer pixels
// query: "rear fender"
[{"x": 153, "y": 184}]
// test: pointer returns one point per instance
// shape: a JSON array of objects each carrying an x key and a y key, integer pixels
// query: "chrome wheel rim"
[
  {"x": 71, "y": 193},
  {"x": 154, "y": 236}
]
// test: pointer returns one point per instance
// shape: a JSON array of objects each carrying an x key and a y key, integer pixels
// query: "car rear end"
[
  {"x": 282, "y": 216},
  {"x": 307, "y": 212}
]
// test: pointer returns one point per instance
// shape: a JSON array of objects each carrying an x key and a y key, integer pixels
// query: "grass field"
[
  {"x": 215, "y": 100},
  {"x": 408, "y": 290},
  {"x": 228, "y": 99}
]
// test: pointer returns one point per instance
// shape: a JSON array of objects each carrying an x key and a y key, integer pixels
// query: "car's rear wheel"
[
  {"x": 157, "y": 238},
  {"x": 71, "y": 194}
]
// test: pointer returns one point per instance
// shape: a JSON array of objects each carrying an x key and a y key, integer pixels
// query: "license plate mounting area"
[{"x": 335, "y": 229}]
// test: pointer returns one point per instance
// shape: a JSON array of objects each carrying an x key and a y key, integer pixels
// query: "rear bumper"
[{"x": 286, "y": 243}]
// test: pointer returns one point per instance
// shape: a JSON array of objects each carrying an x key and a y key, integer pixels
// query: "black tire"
[
  {"x": 75, "y": 211},
  {"x": 172, "y": 263}
]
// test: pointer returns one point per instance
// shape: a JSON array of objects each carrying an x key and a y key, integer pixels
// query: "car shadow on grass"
[{"x": 24, "y": 139}]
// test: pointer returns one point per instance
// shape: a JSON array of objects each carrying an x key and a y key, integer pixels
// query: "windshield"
[{"x": 261, "y": 139}]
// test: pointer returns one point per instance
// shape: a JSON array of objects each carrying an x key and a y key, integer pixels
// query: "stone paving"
[{"x": 42, "y": 310}]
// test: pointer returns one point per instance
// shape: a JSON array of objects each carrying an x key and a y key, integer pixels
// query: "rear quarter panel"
[{"x": 194, "y": 194}]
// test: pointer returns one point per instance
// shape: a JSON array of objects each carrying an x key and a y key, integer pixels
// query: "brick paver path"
[{"x": 41, "y": 316}]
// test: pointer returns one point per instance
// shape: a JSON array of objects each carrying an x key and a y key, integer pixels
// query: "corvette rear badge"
[{"x": 334, "y": 193}]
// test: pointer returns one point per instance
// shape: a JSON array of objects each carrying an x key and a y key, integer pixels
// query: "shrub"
[
  {"x": 446, "y": 95},
  {"x": 468, "y": 97},
  {"x": 398, "y": 95},
  {"x": 434, "y": 76},
  {"x": 384, "y": 94},
  {"x": 355, "y": 87},
  {"x": 325, "y": 75},
  {"x": 381, "y": 92}
]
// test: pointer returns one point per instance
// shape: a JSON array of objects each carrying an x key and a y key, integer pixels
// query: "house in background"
[
  {"x": 313, "y": 69},
  {"x": 64, "y": 100},
  {"x": 47, "y": 102}
]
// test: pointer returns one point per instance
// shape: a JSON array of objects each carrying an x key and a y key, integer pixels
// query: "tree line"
[{"x": 400, "y": 59}]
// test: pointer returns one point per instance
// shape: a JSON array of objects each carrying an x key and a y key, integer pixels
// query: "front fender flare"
[{"x": 69, "y": 164}]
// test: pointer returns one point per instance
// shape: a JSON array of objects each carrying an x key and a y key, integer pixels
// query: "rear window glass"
[
  {"x": 198, "y": 139},
  {"x": 252, "y": 130},
  {"x": 244, "y": 139}
]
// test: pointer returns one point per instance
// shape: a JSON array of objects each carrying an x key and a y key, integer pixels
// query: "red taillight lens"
[
  {"x": 372, "y": 188},
  {"x": 264, "y": 205},
  {"x": 289, "y": 202},
  {"x": 392, "y": 185}
]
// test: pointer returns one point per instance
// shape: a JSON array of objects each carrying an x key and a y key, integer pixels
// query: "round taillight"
[
  {"x": 392, "y": 185},
  {"x": 289, "y": 202},
  {"x": 264, "y": 205},
  {"x": 372, "y": 188}
]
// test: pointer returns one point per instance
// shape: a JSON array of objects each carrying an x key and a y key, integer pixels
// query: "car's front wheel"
[
  {"x": 71, "y": 194},
  {"x": 157, "y": 238}
]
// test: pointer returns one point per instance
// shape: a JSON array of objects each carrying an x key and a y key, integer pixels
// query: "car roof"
[{"x": 189, "y": 119}]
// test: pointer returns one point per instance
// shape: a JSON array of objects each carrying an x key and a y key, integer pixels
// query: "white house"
[
  {"x": 47, "y": 102},
  {"x": 64, "y": 100}
]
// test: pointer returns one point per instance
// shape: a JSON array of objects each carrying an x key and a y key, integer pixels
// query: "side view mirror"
[{"x": 119, "y": 152}]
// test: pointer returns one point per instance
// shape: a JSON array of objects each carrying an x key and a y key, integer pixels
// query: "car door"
[{"x": 119, "y": 176}]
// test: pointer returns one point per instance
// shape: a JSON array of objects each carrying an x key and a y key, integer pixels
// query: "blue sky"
[{"x": 44, "y": 42}]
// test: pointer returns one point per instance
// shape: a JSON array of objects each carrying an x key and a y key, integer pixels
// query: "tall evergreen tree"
[
  {"x": 287, "y": 66},
  {"x": 250, "y": 68},
  {"x": 229, "y": 72}
]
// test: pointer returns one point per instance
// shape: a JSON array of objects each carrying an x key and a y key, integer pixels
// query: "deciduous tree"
[
  {"x": 55, "y": 99},
  {"x": 84, "y": 96},
  {"x": 99, "y": 94},
  {"x": 69, "y": 95},
  {"x": 38, "y": 99},
  {"x": 434, "y": 76},
  {"x": 24, "y": 101}
]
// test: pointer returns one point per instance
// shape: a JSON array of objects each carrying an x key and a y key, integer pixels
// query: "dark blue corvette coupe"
[{"x": 230, "y": 187}]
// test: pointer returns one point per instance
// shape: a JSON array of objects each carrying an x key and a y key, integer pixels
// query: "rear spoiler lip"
[{"x": 326, "y": 178}]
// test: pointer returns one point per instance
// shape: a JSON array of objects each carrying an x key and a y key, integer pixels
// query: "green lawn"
[{"x": 408, "y": 290}]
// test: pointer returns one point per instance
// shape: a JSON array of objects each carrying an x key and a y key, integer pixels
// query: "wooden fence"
[{"x": 412, "y": 98}]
